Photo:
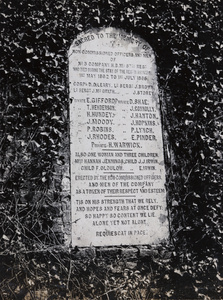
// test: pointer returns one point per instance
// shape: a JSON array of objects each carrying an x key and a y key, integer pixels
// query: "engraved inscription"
[{"x": 117, "y": 167}]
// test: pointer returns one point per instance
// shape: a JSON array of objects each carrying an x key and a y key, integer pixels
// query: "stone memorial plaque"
[{"x": 117, "y": 166}]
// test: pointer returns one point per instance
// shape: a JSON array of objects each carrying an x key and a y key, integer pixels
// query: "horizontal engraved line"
[
  {"x": 118, "y": 173},
  {"x": 117, "y": 196},
  {"x": 116, "y": 149}
]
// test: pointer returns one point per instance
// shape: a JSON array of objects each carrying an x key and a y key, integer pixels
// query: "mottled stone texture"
[{"x": 118, "y": 194}]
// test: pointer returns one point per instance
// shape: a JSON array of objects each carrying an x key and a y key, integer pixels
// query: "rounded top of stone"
[{"x": 110, "y": 38}]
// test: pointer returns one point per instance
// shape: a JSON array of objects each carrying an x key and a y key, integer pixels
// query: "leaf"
[
  {"x": 170, "y": 293},
  {"x": 196, "y": 195},
  {"x": 219, "y": 277},
  {"x": 35, "y": 144},
  {"x": 44, "y": 133},
  {"x": 5, "y": 237},
  {"x": 10, "y": 138},
  {"x": 177, "y": 271},
  {"x": 29, "y": 50},
  {"x": 56, "y": 118}
]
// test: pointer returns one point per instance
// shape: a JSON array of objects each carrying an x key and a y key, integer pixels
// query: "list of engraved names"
[{"x": 117, "y": 167}]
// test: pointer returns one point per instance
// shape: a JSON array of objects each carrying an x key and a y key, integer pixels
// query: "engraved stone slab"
[{"x": 118, "y": 195}]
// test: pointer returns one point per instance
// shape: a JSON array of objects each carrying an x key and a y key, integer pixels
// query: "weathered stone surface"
[
  {"x": 108, "y": 252},
  {"x": 129, "y": 253},
  {"x": 117, "y": 166}
]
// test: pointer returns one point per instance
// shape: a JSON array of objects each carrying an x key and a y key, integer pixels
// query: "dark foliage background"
[{"x": 187, "y": 39}]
